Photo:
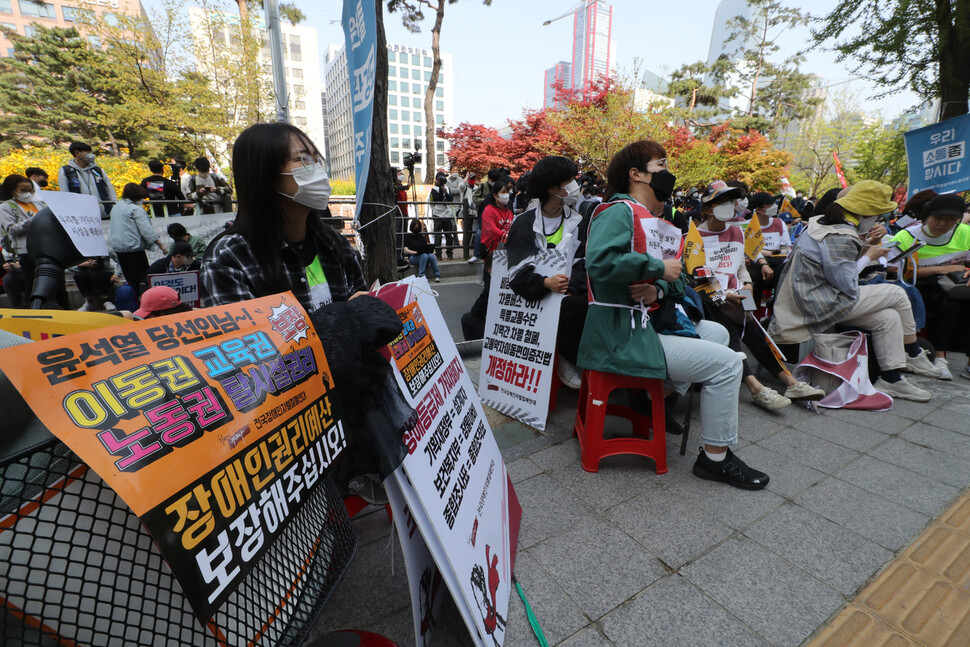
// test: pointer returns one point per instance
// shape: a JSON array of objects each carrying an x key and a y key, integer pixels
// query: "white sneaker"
[
  {"x": 940, "y": 363},
  {"x": 903, "y": 389},
  {"x": 770, "y": 399},
  {"x": 473, "y": 259},
  {"x": 921, "y": 365},
  {"x": 570, "y": 374},
  {"x": 803, "y": 391}
]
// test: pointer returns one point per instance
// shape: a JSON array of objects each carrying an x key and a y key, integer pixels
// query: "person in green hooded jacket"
[{"x": 628, "y": 288}]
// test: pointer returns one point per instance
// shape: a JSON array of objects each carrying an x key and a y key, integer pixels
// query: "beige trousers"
[{"x": 884, "y": 310}]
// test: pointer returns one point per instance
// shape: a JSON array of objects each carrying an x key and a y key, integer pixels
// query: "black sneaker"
[{"x": 732, "y": 470}]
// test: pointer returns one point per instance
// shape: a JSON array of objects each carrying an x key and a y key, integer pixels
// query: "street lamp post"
[{"x": 276, "y": 57}]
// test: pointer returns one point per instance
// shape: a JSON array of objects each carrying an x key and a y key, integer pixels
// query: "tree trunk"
[
  {"x": 378, "y": 237},
  {"x": 954, "y": 57},
  {"x": 429, "y": 123}
]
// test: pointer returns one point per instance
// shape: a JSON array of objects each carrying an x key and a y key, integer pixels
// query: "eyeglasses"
[
  {"x": 308, "y": 160},
  {"x": 656, "y": 165}
]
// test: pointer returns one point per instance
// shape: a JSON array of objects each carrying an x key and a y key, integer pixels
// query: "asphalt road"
[{"x": 455, "y": 299}]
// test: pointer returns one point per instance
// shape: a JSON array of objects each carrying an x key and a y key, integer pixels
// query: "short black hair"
[
  {"x": 550, "y": 172},
  {"x": 176, "y": 231},
  {"x": 134, "y": 192},
  {"x": 201, "y": 164},
  {"x": 34, "y": 170},
  {"x": 78, "y": 146},
  {"x": 10, "y": 185},
  {"x": 155, "y": 166}
]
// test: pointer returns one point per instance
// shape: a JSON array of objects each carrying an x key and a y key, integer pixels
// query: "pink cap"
[{"x": 157, "y": 298}]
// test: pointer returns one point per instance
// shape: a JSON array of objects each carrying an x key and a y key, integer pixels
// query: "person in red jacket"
[{"x": 497, "y": 215}]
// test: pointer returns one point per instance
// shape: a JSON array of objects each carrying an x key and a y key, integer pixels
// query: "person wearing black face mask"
[{"x": 38, "y": 176}]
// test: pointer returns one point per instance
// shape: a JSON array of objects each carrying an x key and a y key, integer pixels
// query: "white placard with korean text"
[
  {"x": 186, "y": 283},
  {"x": 80, "y": 216}
]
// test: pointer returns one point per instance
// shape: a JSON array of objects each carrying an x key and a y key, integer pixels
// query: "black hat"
[
  {"x": 182, "y": 248},
  {"x": 759, "y": 200},
  {"x": 948, "y": 204}
]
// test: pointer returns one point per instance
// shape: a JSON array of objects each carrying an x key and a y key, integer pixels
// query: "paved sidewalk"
[{"x": 628, "y": 558}]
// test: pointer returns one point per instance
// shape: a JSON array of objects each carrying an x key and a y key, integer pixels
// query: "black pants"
[
  {"x": 572, "y": 318},
  {"x": 15, "y": 284},
  {"x": 750, "y": 334},
  {"x": 444, "y": 230},
  {"x": 759, "y": 284},
  {"x": 946, "y": 319},
  {"x": 134, "y": 265},
  {"x": 467, "y": 231}
]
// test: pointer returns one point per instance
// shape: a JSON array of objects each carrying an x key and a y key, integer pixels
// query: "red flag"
[{"x": 839, "y": 171}]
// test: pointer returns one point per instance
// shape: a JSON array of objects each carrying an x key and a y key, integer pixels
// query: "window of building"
[
  {"x": 297, "y": 73},
  {"x": 34, "y": 10},
  {"x": 405, "y": 115},
  {"x": 300, "y": 121},
  {"x": 393, "y": 129},
  {"x": 29, "y": 31},
  {"x": 392, "y": 99},
  {"x": 299, "y": 105},
  {"x": 395, "y": 157},
  {"x": 9, "y": 25},
  {"x": 395, "y": 142},
  {"x": 417, "y": 131},
  {"x": 95, "y": 41},
  {"x": 441, "y": 159},
  {"x": 415, "y": 59},
  {"x": 439, "y": 91},
  {"x": 404, "y": 86},
  {"x": 439, "y": 105},
  {"x": 416, "y": 89},
  {"x": 439, "y": 118},
  {"x": 418, "y": 116},
  {"x": 391, "y": 58},
  {"x": 427, "y": 75},
  {"x": 427, "y": 61},
  {"x": 392, "y": 86},
  {"x": 391, "y": 70},
  {"x": 440, "y": 145},
  {"x": 6, "y": 6},
  {"x": 405, "y": 129},
  {"x": 403, "y": 73},
  {"x": 415, "y": 75},
  {"x": 71, "y": 14},
  {"x": 392, "y": 113},
  {"x": 406, "y": 143}
]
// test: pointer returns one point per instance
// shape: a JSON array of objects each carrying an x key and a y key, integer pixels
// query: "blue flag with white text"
[
  {"x": 937, "y": 156},
  {"x": 360, "y": 38}
]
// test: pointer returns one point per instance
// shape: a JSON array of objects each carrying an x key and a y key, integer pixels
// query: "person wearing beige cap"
[{"x": 819, "y": 288}]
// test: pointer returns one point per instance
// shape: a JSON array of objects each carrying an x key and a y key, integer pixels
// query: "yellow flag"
[
  {"x": 787, "y": 208},
  {"x": 694, "y": 256},
  {"x": 754, "y": 240}
]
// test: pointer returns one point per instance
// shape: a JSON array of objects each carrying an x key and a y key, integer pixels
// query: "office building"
[
  {"x": 21, "y": 16},
  {"x": 557, "y": 75},
  {"x": 408, "y": 74},
  {"x": 594, "y": 54}
]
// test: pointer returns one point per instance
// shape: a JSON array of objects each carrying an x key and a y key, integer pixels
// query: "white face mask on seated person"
[
  {"x": 724, "y": 211},
  {"x": 502, "y": 198},
  {"x": 313, "y": 186}
]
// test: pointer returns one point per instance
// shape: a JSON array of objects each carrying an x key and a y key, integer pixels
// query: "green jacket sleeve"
[{"x": 608, "y": 255}]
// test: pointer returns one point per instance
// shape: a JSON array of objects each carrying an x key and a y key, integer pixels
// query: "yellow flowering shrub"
[
  {"x": 120, "y": 170},
  {"x": 342, "y": 186}
]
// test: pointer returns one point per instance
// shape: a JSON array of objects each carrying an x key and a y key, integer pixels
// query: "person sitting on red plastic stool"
[{"x": 619, "y": 336}]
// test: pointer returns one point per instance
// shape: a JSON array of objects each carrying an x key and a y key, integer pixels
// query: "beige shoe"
[
  {"x": 770, "y": 399},
  {"x": 803, "y": 391}
]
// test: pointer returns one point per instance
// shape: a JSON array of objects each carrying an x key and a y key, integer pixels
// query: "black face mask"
[
  {"x": 663, "y": 183},
  {"x": 42, "y": 183}
]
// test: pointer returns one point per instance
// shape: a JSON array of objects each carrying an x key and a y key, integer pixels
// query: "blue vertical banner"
[
  {"x": 360, "y": 44},
  {"x": 937, "y": 156}
]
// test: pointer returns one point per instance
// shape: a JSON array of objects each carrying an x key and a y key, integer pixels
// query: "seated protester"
[
  {"x": 819, "y": 288},
  {"x": 420, "y": 252},
  {"x": 160, "y": 301},
  {"x": 162, "y": 189},
  {"x": 942, "y": 265},
  {"x": 182, "y": 259},
  {"x": 178, "y": 233},
  {"x": 496, "y": 214},
  {"x": 97, "y": 286},
  {"x": 764, "y": 207},
  {"x": 732, "y": 276},
  {"x": 553, "y": 223},
  {"x": 625, "y": 281}
]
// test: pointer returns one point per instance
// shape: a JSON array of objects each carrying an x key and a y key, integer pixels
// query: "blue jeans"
[
  {"x": 915, "y": 298},
  {"x": 421, "y": 261}
]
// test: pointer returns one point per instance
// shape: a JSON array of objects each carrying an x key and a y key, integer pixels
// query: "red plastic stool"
[
  {"x": 556, "y": 384},
  {"x": 591, "y": 416}
]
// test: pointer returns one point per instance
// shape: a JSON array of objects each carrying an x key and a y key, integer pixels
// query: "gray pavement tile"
[
  {"x": 912, "y": 410},
  {"x": 780, "y": 602},
  {"x": 548, "y": 509},
  {"x": 907, "y": 488},
  {"x": 946, "y": 441},
  {"x": 558, "y": 616},
  {"x": 756, "y": 428},
  {"x": 842, "y": 432},
  {"x": 809, "y": 450},
  {"x": 731, "y": 506},
  {"x": 372, "y": 525},
  {"x": 598, "y": 565},
  {"x": 399, "y": 628},
  {"x": 838, "y": 557},
  {"x": 864, "y": 513},
  {"x": 935, "y": 464},
  {"x": 619, "y": 479},
  {"x": 947, "y": 419},
  {"x": 884, "y": 421},
  {"x": 672, "y": 611},
  {"x": 669, "y": 526},
  {"x": 565, "y": 453},
  {"x": 522, "y": 469},
  {"x": 788, "y": 477},
  {"x": 959, "y": 405},
  {"x": 588, "y": 637},
  {"x": 786, "y": 417}
]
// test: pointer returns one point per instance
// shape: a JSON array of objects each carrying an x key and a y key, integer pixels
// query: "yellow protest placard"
[
  {"x": 694, "y": 256},
  {"x": 754, "y": 239}
]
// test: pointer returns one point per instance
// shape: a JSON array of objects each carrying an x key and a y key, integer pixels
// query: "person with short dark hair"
[
  {"x": 420, "y": 251},
  {"x": 20, "y": 205},
  {"x": 443, "y": 216},
  {"x": 178, "y": 233},
  {"x": 38, "y": 176},
  {"x": 83, "y": 175},
  {"x": 160, "y": 188},
  {"x": 131, "y": 233},
  {"x": 209, "y": 190}
]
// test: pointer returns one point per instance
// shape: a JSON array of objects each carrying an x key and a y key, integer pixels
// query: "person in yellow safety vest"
[{"x": 942, "y": 275}]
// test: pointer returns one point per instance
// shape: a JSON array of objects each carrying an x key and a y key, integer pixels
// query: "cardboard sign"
[
  {"x": 185, "y": 283},
  {"x": 724, "y": 258},
  {"x": 214, "y": 426},
  {"x": 80, "y": 215},
  {"x": 453, "y": 480},
  {"x": 519, "y": 350}
]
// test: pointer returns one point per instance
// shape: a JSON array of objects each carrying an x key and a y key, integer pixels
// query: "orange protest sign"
[
  {"x": 200, "y": 421},
  {"x": 44, "y": 324}
]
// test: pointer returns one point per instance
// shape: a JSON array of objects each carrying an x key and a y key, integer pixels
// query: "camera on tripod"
[{"x": 413, "y": 158}]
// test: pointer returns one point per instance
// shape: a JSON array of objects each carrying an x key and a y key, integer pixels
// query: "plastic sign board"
[
  {"x": 360, "y": 46},
  {"x": 214, "y": 426},
  {"x": 80, "y": 215},
  {"x": 185, "y": 283},
  {"x": 937, "y": 156}
]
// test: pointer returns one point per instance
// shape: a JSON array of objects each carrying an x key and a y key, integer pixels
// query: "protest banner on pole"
[
  {"x": 360, "y": 46},
  {"x": 214, "y": 426},
  {"x": 453, "y": 480},
  {"x": 937, "y": 156},
  {"x": 519, "y": 350},
  {"x": 186, "y": 283}
]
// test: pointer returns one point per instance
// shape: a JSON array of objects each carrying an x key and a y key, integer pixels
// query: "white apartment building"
[{"x": 408, "y": 74}]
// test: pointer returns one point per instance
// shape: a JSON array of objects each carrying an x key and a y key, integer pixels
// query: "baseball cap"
[
  {"x": 160, "y": 297},
  {"x": 948, "y": 204}
]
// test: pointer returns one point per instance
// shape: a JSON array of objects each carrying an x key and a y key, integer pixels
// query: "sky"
[{"x": 502, "y": 51}]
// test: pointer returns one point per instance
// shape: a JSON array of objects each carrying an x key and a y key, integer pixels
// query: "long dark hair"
[{"x": 258, "y": 157}]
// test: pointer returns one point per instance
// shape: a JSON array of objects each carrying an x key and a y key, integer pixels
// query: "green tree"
[
  {"x": 920, "y": 44},
  {"x": 881, "y": 156},
  {"x": 704, "y": 101},
  {"x": 411, "y": 18}
]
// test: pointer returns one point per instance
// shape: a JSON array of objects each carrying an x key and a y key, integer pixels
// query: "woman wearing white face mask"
[
  {"x": 497, "y": 215},
  {"x": 277, "y": 241},
  {"x": 552, "y": 222},
  {"x": 15, "y": 215},
  {"x": 724, "y": 249}
]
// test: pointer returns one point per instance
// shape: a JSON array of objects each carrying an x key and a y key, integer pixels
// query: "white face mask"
[
  {"x": 927, "y": 237},
  {"x": 772, "y": 210},
  {"x": 866, "y": 223},
  {"x": 572, "y": 193},
  {"x": 741, "y": 205},
  {"x": 400, "y": 178},
  {"x": 724, "y": 211},
  {"x": 25, "y": 197},
  {"x": 502, "y": 198},
  {"x": 313, "y": 187},
  {"x": 89, "y": 158}
]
